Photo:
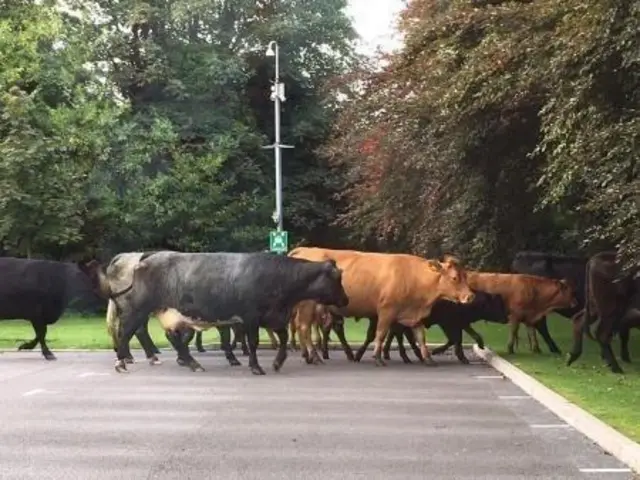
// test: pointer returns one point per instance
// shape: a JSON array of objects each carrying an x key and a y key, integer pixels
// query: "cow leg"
[
  {"x": 306, "y": 333},
  {"x": 456, "y": 337},
  {"x": 31, "y": 344},
  {"x": 371, "y": 335},
  {"x": 475, "y": 335},
  {"x": 604, "y": 333},
  {"x": 225, "y": 344},
  {"x": 514, "y": 326},
  {"x": 578, "y": 322},
  {"x": 272, "y": 338},
  {"x": 398, "y": 332},
  {"x": 245, "y": 346},
  {"x": 533, "y": 340},
  {"x": 338, "y": 327},
  {"x": 184, "y": 355},
  {"x": 443, "y": 348},
  {"x": 411, "y": 338},
  {"x": 143, "y": 333},
  {"x": 625, "y": 331},
  {"x": 383, "y": 328},
  {"x": 199, "y": 346},
  {"x": 427, "y": 359},
  {"x": 387, "y": 344},
  {"x": 40, "y": 329},
  {"x": 325, "y": 330},
  {"x": 251, "y": 337},
  {"x": 130, "y": 322},
  {"x": 150, "y": 349},
  {"x": 543, "y": 329},
  {"x": 292, "y": 334},
  {"x": 281, "y": 356}
]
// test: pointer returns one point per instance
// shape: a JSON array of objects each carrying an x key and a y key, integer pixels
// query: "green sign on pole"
[{"x": 278, "y": 241}]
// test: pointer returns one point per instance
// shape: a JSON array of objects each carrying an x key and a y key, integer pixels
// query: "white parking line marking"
[
  {"x": 91, "y": 374},
  {"x": 605, "y": 470},
  {"x": 550, "y": 425},
  {"x": 33, "y": 392},
  {"x": 513, "y": 397}
]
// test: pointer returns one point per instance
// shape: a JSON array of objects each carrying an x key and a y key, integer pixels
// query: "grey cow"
[{"x": 201, "y": 290}]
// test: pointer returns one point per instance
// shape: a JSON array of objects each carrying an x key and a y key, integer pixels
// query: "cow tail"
[
  {"x": 586, "y": 326},
  {"x": 113, "y": 322}
]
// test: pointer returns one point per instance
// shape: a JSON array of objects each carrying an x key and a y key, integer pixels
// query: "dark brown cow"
[
  {"x": 609, "y": 296},
  {"x": 528, "y": 298},
  {"x": 393, "y": 287}
]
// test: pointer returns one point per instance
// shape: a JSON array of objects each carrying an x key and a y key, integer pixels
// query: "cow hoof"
[
  {"x": 277, "y": 366},
  {"x": 626, "y": 359},
  {"x": 350, "y": 356},
  {"x": 181, "y": 362},
  {"x": 380, "y": 363},
  {"x": 386, "y": 356},
  {"x": 121, "y": 367},
  {"x": 201, "y": 350},
  {"x": 49, "y": 356},
  {"x": 155, "y": 361},
  {"x": 406, "y": 360},
  {"x": 480, "y": 346},
  {"x": 234, "y": 362},
  {"x": 325, "y": 356},
  {"x": 257, "y": 370},
  {"x": 196, "y": 367},
  {"x": 129, "y": 360},
  {"x": 317, "y": 361},
  {"x": 464, "y": 361},
  {"x": 430, "y": 362}
]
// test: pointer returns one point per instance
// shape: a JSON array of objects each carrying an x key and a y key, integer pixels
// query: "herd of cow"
[{"x": 315, "y": 289}]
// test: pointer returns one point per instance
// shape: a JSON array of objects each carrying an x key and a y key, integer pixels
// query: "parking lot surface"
[{"x": 77, "y": 419}]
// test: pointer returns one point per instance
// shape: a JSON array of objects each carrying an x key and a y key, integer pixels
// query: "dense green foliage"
[
  {"x": 499, "y": 126},
  {"x": 140, "y": 124}
]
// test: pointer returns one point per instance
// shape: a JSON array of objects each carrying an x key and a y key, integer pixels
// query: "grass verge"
[{"x": 612, "y": 398}]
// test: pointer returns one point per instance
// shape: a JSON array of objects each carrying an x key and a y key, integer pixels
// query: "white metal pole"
[{"x": 277, "y": 151}]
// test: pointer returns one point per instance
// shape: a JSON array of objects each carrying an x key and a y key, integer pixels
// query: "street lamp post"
[{"x": 277, "y": 96}]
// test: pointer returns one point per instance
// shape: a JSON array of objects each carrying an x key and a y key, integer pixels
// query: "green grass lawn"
[{"x": 612, "y": 398}]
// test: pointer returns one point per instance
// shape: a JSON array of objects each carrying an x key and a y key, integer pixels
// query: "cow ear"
[
  {"x": 451, "y": 259},
  {"x": 88, "y": 266},
  {"x": 436, "y": 265}
]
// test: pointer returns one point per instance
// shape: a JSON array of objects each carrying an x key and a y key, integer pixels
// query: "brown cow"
[
  {"x": 309, "y": 316},
  {"x": 613, "y": 297},
  {"x": 528, "y": 298},
  {"x": 392, "y": 287}
]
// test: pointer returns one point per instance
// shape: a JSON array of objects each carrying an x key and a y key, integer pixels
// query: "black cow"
[
  {"x": 453, "y": 318},
  {"x": 248, "y": 289},
  {"x": 40, "y": 291},
  {"x": 610, "y": 296},
  {"x": 571, "y": 268}
]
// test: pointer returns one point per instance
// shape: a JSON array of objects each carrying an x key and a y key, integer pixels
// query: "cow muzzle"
[
  {"x": 467, "y": 297},
  {"x": 343, "y": 300}
]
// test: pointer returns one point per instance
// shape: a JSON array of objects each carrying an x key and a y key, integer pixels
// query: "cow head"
[
  {"x": 452, "y": 283},
  {"x": 98, "y": 282},
  {"x": 490, "y": 307},
  {"x": 327, "y": 287},
  {"x": 565, "y": 296}
]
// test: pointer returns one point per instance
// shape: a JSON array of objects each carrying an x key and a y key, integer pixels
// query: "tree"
[
  {"x": 477, "y": 123},
  {"x": 53, "y": 112}
]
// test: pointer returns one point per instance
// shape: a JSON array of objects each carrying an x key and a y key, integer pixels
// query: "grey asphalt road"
[{"x": 76, "y": 419}]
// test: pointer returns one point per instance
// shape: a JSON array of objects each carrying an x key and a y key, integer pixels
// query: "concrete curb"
[
  {"x": 211, "y": 347},
  {"x": 609, "y": 439}
]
